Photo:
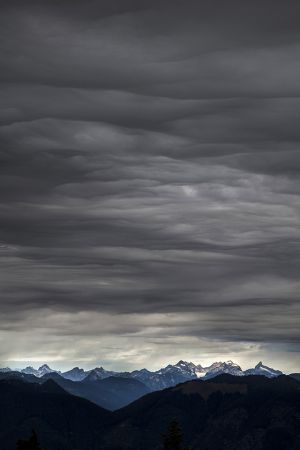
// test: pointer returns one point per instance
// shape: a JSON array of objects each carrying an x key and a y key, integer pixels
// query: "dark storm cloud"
[{"x": 149, "y": 175}]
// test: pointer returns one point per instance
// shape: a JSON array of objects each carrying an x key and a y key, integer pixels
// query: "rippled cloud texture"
[{"x": 149, "y": 182}]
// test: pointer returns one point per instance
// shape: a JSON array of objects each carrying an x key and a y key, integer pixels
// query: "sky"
[{"x": 149, "y": 182}]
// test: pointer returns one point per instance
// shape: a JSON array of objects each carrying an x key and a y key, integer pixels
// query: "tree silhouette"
[
  {"x": 29, "y": 444},
  {"x": 172, "y": 440}
]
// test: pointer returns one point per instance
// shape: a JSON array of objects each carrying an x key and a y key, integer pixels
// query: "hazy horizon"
[{"x": 64, "y": 366}]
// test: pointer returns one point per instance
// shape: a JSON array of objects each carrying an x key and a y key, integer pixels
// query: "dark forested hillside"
[
  {"x": 224, "y": 413},
  {"x": 232, "y": 413},
  {"x": 61, "y": 420}
]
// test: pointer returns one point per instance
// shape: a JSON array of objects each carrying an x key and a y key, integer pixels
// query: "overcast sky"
[{"x": 149, "y": 182}]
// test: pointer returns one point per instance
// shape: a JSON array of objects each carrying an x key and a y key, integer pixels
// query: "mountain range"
[
  {"x": 113, "y": 390},
  {"x": 223, "y": 412},
  {"x": 155, "y": 380}
]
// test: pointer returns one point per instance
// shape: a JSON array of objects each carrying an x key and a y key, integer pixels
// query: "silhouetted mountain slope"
[
  {"x": 61, "y": 420},
  {"x": 296, "y": 376},
  {"x": 110, "y": 393},
  {"x": 115, "y": 392},
  {"x": 224, "y": 413},
  {"x": 12, "y": 375},
  {"x": 227, "y": 412}
]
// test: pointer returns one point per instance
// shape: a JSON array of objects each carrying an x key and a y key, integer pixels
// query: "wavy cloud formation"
[{"x": 149, "y": 181}]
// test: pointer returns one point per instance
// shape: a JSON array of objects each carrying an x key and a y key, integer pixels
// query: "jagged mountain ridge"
[
  {"x": 42, "y": 370},
  {"x": 261, "y": 369},
  {"x": 160, "y": 379}
]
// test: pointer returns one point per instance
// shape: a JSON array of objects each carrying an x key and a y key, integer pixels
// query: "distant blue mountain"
[{"x": 165, "y": 377}]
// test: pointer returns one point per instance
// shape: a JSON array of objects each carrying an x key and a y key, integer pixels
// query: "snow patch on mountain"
[{"x": 75, "y": 374}]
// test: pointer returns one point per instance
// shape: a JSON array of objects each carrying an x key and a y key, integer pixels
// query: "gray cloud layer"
[{"x": 149, "y": 181}]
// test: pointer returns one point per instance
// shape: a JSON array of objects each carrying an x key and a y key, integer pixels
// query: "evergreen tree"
[
  {"x": 29, "y": 444},
  {"x": 173, "y": 439}
]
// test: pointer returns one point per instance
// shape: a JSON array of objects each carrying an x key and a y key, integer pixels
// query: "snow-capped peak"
[
  {"x": 99, "y": 373},
  {"x": 231, "y": 363},
  {"x": 258, "y": 365},
  {"x": 75, "y": 374},
  {"x": 42, "y": 370},
  {"x": 223, "y": 367},
  {"x": 45, "y": 367},
  {"x": 185, "y": 365},
  {"x": 261, "y": 369}
]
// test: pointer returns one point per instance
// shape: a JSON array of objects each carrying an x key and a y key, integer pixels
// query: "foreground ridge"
[{"x": 226, "y": 411}]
